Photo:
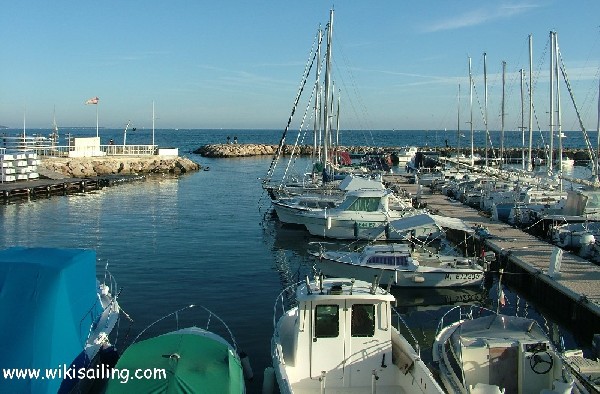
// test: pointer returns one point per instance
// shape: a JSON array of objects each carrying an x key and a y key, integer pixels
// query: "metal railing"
[{"x": 48, "y": 148}]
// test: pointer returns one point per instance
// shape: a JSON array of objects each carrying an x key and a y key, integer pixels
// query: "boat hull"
[{"x": 427, "y": 277}]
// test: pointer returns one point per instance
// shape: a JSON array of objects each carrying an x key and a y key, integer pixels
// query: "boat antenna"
[
  {"x": 389, "y": 286},
  {"x": 308, "y": 289},
  {"x": 374, "y": 284}
]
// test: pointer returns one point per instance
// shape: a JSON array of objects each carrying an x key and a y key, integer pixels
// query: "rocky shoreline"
[
  {"x": 245, "y": 150},
  {"x": 94, "y": 166}
]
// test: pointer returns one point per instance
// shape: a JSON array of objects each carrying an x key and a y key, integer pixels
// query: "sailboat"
[{"x": 325, "y": 158}]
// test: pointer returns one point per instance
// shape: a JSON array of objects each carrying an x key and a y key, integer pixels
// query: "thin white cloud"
[{"x": 479, "y": 16}]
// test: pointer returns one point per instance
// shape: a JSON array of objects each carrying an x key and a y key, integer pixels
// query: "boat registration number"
[
  {"x": 366, "y": 224},
  {"x": 465, "y": 276}
]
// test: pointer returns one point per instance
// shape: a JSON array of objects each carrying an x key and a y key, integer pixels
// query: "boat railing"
[
  {"x": 176, "y": 315},
  {"x": 283, "y": 303},
  {"x": 405, "y": 327},
  {"x": 461, "y": 312}
]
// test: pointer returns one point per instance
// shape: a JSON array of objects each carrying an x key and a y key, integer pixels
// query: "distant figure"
[
  {"x": 235, "y": 140},
  {"x": 446, "y": 143},
  {"x": 228, "y": 140},
  {"x": 111, "y": 142}
]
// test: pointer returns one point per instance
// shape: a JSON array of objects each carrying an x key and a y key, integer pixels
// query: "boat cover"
[
  {"x": 408, "y": 223},
  {"x": 497, "y": 328},
  {"x": 352, "y": 182},
  {"x": 193, "y": 364},
  {"x": 47, "y": 301}
]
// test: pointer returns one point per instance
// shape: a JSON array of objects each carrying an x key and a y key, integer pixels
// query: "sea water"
[{"x": 208, "y": 238}]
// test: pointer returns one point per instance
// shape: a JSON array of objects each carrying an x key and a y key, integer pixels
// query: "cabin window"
[
  {"x": 365, "y": 204},
  {"x": 389, "y": 260},
  {"x": 363, "y": 320},
  {"x": 327, "y": 321}
]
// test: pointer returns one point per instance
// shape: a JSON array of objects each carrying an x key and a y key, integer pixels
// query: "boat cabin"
[
  {"x": 392, "y": 255},
  {"x": 340, "y": 336},
  {"x": 365, "y": 200}
]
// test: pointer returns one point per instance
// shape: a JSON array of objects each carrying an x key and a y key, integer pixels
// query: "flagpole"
[
  {"x": 97, "y": 119},
  {"x": 153, "y": 122}
]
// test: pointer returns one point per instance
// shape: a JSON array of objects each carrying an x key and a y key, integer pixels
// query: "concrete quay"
[{"x": 573, "y": 293}]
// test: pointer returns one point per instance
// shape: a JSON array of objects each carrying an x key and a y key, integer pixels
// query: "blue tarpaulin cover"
[{"x": 48, "y": 301}]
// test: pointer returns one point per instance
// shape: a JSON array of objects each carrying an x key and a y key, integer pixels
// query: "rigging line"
[
  {"x": 300, "y": 130},
  {"x": 307, "y": 69},
  {"x": 563, "y": 70},
  {"x": 354, "y": 90}
]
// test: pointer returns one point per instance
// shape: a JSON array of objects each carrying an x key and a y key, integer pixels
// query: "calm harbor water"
[{"x": 205, "y": 238}]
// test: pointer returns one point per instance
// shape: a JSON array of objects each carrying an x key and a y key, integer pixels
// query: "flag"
[
  {"x": 93, "y": 100},
  {"x": 501, "y": 298}
]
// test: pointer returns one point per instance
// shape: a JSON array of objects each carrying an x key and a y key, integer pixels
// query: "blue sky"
[{"x": 238, "y": 64}]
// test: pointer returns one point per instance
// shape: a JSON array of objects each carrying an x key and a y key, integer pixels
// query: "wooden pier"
[
  {"x": 44, "y": 188},
  {"x": 573, "y": 293}
]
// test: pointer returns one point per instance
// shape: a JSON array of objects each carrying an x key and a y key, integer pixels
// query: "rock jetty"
[
  {"x": 243, "y": 150},
  {"x": 94, "y": 166}
]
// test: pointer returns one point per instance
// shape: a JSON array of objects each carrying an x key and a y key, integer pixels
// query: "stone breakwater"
[
  {"x": 94, "y": 166},
  {"x": 242, "y": 150}
]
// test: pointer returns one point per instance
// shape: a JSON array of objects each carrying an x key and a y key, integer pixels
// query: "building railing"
[{"x": 48, "y": 148}]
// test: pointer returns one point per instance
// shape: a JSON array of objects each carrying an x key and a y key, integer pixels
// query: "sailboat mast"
[
  {"x": 558, "y": 115},
  {"x": 502, "y": 116},
  {"x": 530, "y": 162},
  {"x": 316, "y": 128},
  {"x": 471, "y": 106},
  {"x": 552, "y": 70},
  {"x": 458, "y": 132},
  {"x": 522, "y": 72},
  {"x": 595, "y": 169},
  {"x": 327, "y": 88},
  {"x": 485, "y": 94}
]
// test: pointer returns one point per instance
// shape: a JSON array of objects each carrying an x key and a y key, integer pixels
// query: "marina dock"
[
  {"x": 573, "y": 291},
  {"x": 44, "y": 188}
]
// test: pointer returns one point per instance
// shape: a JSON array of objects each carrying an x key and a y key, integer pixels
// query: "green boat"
[{"x": 188, "y": 360}]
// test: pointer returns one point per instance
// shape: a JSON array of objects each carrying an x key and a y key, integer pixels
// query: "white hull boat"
[
  {"x": 340, "y": 339},
  {"x": 395, "y": 264},
  {"x": 497, "y": 353}
]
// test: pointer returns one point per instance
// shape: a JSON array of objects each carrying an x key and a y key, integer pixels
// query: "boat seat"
[
  {"x": 559, "y": 388},
  {"x": 482, "y": 388}
]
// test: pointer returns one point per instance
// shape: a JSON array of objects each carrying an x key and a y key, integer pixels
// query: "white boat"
[
  {"x": 363, "y": 214},
  {"x": 185, "y": 360},
  {"x": 405, "y": 155},
  {"x": 340, "y": 339},
  {"x": 495, "y": 353},
  {"x": 56, "y": 314},
  {"x": 397, "y": 265}
]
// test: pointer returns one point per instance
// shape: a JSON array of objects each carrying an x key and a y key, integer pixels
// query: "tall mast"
[
  {"x": 552, "y": 71},
  {"x": 327, "y": 83},
  {"x": 530, "y": 162},
  {"x": 502, "y": 116},
  {"x": 316, "y": 126},
  {"x": 471, "y": 105},
  {"x": 523, "y": 162},
  {"x": 485, "y": 95},
  {"x": 595, "y": 169},
  {"x": 458, "y": 132},
  {"x": 558, "y": 115}
]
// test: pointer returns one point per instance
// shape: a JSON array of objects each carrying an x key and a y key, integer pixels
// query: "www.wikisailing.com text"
[{"x": 72, "y": 372}]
